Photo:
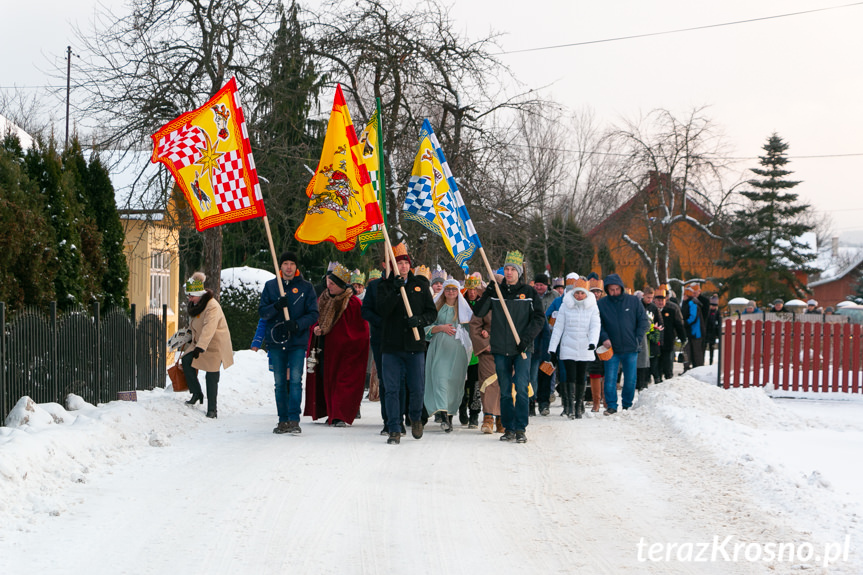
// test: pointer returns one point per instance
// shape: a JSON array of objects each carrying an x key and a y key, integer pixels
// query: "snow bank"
[
  {"x": 246, "y": 277},
  {"x": 44, "y": 448}
]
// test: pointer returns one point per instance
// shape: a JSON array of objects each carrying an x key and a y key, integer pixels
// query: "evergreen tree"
[
  {"x": 45, "y": 169},
  {"x": 26, "y": 238},
  {"x": 765, "y": 252},
  {"x": 569, "y": 250},
  {"x": 102, "y": 206},
  {"x": 606, "y": 260}
]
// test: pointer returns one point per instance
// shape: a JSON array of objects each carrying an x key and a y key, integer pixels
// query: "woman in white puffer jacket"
[{"x": 576, "y": 329}]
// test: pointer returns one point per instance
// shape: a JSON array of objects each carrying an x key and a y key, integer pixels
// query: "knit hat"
[
  {"x": 438, "y": 276},
  {"x": 516, "y": 260},
  {"x": 811, "y": 302},
  {"x": 778, "y": 301},
  {"x": 423, "y": 271},
  {"x": 401, "y": 252},
  {"x": 287, "y": 256},
  {"x": 557, "y": 282},
  {"x": 472, "y": 281},
  {"x": 714, "y": 299},
  {"x": 541, "y": 279},
  {"x": 375, "y": 274},
  {"x": 358, "y": 277},
  {"x": 582, "y": 285},
  {"x": 195, "y": 284},
  {"x": 340, "y": 275},
  {"x": 571, "y": 278}
]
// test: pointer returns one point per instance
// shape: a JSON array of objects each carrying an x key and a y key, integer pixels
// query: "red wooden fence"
[{"x": 792, "y": 356}]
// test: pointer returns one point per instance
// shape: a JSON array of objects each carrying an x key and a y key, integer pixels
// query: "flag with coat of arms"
[
  {"x": 433, "y": 199},
  {"x": 342, "y": 203},
  {"x": 370, "y": 140},
  {"x": 209, "y": 154}
]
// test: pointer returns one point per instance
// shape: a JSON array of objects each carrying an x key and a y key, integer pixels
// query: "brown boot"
[
  {"x": 487, "y": 424},
  {"x": 498, "y": 424}
]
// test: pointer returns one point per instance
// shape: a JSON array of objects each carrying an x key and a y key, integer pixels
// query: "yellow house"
[{"x": 152, "y": 253}]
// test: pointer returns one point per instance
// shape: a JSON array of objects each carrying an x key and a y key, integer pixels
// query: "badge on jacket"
[
  {"x": 417, "y": 288},
  {"x": 521, "y": 296},
  {"x": 295, "y": 290}
]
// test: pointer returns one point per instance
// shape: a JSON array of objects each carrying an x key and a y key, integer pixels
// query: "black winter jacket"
[
  {"x": 672, "y": 320},
  {"x": 395, "y": 334},
  {"x": 524, "y": 306}
]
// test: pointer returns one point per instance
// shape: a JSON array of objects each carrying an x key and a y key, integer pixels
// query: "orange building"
[{"x": 652, "y": 222}]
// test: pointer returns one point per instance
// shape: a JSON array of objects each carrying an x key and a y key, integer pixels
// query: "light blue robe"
[{"x": 446, "y": 367}]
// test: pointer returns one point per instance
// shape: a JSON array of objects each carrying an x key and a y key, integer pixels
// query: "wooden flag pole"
[
  {"x": 276, "y": 265},
  {"x": 502, "y": 302},
  {"x": 391, "y": 256}
]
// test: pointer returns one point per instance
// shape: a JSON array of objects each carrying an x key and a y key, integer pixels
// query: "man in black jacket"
[
  {"x": 525, "y": 307},
  {"x": 672, "y": 322},
  {"x": 402, "y": 355},
  {"x": 370, "y": 314}
]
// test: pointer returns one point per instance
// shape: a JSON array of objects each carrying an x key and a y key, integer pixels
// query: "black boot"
[
  {"x": 473, "y": 420},
  {"x": 579, "y": 399},
  {"x": 212, "y": 394},
  {"x": 532, "y": 408},
  {"x": 462, "y": 412},
  {"x": 196, "y": 399}
]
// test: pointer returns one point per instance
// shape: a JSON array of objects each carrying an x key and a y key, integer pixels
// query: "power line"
[{"x": 677, "y": 31}]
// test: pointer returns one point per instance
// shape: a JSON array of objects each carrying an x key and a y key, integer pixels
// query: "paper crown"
[
  {"x": 557, "y": 282},
  {"x": 195, "y": 286},
  {"x": 581, "y": 284},
  {"x": 358, "y": 277},
  {"x": 400, "y": 251},
  {"x": 570, "y": 279},
  {"x": 660, "y": 291},
  {"x": 596, "y": 284},
  {"x": 472, "y": 281},
  {"x": 341, "y": 272},
  {"x": 423, "y": 271},
  {"x": 515, "y": 258},
  {"x": 374, "y": 274},
  {"x": 438, "y": 275},
  {"x": 331, "y": 265}
]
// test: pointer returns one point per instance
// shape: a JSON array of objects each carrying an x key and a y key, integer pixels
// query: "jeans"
[
  {"x": 628, "y": 361},
  {"x": 289, "y": 394},
  {"x": 403, "y": 369},
  {"x": 513, "y": 417}
]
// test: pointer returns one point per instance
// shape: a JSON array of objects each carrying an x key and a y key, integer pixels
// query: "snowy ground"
[{"x": 155, "y": 487}]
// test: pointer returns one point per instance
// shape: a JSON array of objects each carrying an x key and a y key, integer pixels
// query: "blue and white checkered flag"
[{"x": 434, "y": 201}]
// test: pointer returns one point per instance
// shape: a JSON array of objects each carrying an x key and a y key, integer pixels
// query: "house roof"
[
  {"x": 137, "y": 182},
  {"x": 697, "y": 209},
  {"x": 835, "y": 267},
  {"x": 7, "y": 126}
]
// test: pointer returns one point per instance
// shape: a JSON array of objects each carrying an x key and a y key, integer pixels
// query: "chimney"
[{"x": 834, "y": 243}]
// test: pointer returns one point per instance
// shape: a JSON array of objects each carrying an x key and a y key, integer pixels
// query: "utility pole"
[{"x": 68, "y": 89}]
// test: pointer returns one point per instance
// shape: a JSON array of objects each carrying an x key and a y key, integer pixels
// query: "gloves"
[
  {"x": 553, "y": 357},
  {"x": 292, "y": 326},
  {"x": 490, "y": 291},
  {"x": 196, "y": 352},
  {"x": 413, "y": 321},
  {"x": 281, "y": 303},
  {"x": 591, "y": 347},
  {"x": 522, "y": 345}
]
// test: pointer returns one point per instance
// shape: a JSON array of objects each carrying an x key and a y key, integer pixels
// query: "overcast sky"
[{"x": 800, "y": 76}]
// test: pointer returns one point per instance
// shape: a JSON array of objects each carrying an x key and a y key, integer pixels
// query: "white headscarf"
[{"x": 464, "y": 312}]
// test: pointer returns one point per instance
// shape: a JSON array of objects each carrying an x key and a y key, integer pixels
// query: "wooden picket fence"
[{"x": 792, "y": 356}]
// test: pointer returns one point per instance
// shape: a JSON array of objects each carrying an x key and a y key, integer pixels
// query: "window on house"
[{"x": 160, "y": 280}]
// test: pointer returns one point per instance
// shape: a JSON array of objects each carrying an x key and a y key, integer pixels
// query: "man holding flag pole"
[{"x": 433, "y": 200}]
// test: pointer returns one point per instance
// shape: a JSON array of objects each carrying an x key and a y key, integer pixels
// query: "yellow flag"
[{"x": 342, "y": 203}]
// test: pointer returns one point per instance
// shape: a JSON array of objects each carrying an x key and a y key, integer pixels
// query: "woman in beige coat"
[{"x": 210, "y": 347}]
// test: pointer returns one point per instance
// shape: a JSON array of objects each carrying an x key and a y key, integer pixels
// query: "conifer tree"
[
  {"x": 102, "y": 206},
  {"x": 765, "y": 250}
]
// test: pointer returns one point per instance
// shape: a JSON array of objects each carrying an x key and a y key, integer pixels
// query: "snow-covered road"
[{"x": 186, "y": 495}]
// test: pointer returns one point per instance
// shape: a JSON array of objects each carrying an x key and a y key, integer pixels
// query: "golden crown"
[
  {"x": 423, "y": 271},
  {"x": 341, "y": 272}
]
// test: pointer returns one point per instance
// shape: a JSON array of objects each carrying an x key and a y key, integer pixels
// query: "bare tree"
[
  {"x": 143, "y": 68},
  {"x": 680, "y": 162}
]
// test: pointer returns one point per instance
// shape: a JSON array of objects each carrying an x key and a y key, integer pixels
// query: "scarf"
[
  {"x": 198, "y": 308},
  {"x": 331, "y": 308}
]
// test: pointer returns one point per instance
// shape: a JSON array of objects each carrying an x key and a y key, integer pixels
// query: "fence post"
[
  {"x": 53, "y": 388},
  {"x": 719, "y": 354},
  {"x": 163, "y": 347},
  {"x": 134, "y": 347},
  {"x": 3, "y": 390},
  {"x": 98, "y": 325}
]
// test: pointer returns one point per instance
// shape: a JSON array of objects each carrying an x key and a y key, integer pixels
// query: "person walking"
[
  {"x": 210, "y": 348},
  {"x": 625, "y": 323},
  {"x": 672, "y": 322},
  {"x": 693, "y": 319},
  {"x": 489, "y": 388},
  {"x": 402, "y": 355},
  {"x": 511, "y": 359},
  {"x": 340, "y": 339},
  {"x": 370, "y": 314},
  {"x": 287, "y": 340},
  {"x": 576, "y": 330},
  {"x": 448, "y": 354}
]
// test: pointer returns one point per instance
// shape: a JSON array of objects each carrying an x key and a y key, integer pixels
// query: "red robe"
[{"x": 336, "y": 388}]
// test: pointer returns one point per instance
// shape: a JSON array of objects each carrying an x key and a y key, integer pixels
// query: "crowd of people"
[{"x": 443, "y": 349}]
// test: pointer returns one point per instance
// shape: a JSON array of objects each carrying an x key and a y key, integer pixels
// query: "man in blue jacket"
[
  {"x": 624, "y": 321},
  {"x": 287, "y": 339}
]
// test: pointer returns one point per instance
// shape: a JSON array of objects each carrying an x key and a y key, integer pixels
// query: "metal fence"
[{"x": 95, "y": 356}]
